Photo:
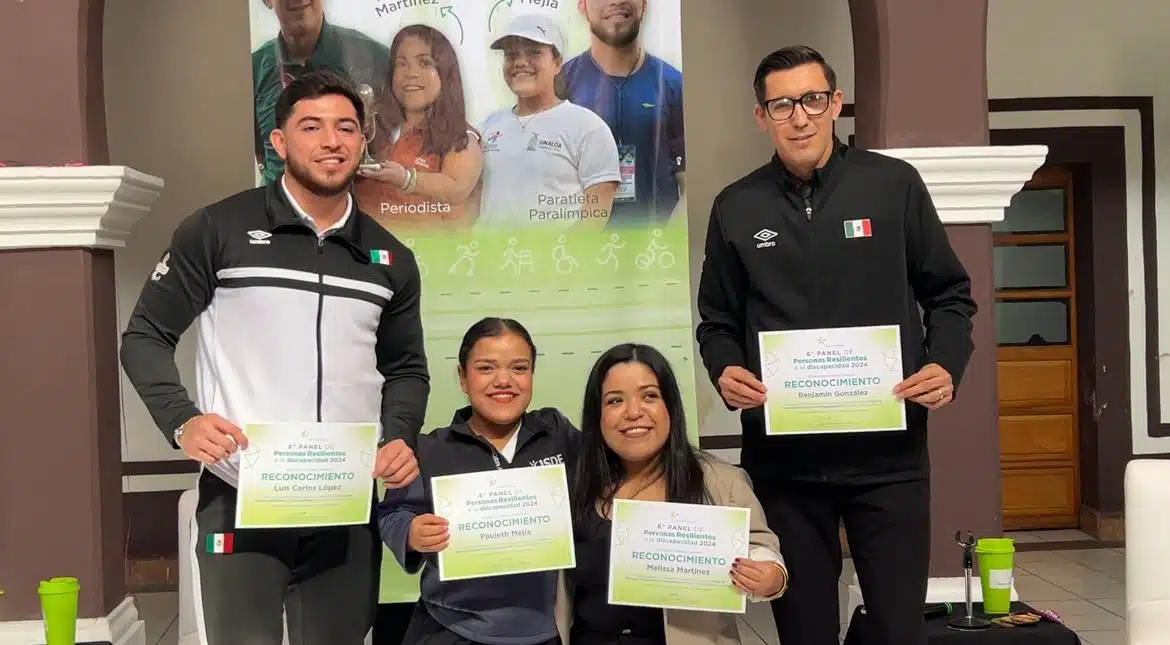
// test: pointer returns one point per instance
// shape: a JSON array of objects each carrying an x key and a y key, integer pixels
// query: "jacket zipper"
[
  {"x": 806, "y": 196},
  {"x": 320, "y": 308}
]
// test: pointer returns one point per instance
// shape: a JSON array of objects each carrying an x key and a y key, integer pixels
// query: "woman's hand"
[
  {"x": 392, "y": 173},
  {"x": 760, "y": 578},
  {"x": 428, "y": 534}
]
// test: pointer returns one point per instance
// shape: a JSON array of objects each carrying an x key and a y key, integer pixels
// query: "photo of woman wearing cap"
[{"x": 547, "y": 162}]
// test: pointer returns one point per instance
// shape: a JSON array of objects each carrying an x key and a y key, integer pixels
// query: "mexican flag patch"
[
  {"x": 380, "y": 256},
  {"x": 220, "y": 543},
  {"x": 857, "y": 228}
]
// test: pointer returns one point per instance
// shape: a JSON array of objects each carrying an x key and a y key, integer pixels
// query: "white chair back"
[{"x": 1147, "y": 558}]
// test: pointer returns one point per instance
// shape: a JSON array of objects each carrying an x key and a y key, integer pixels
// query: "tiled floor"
[
  {"x": 1085, "y": 587},
  {"x": 1060, "y": 535}
]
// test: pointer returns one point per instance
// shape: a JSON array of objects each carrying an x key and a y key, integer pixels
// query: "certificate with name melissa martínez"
[
  {"x": 298, "y": 475},
  {"x": 832, "y": 380},
  {"x": 505, "y": 521},
  {"x": 677, "y": 556}
]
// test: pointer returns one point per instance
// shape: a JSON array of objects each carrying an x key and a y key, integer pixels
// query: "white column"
[{"x": 83, "y": 206}]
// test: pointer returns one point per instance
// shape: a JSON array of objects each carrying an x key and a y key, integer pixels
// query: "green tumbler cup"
[
  {"x": 59, "y": 608},
  {"x": 995, "y": 573}
]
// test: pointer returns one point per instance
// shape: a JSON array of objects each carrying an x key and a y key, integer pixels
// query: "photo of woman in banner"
[
  {"x": 547, "y": 161},
  {"x": 431, "y": 157}
]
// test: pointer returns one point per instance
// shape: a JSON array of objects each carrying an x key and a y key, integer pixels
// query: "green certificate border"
[
  {"x": 877, "y": 410},
  {"x": 354, "y": 509},
  {"x": 631, "y": 584},
  {"x": 468, "y": 556}
]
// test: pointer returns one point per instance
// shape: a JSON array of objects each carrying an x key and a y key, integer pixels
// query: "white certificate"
[
  {"x": 296, "y": 475},
  {"x": 677, "y": 556},
  {"x": 507, "y": 521},
  {"x": 832, "y": 380}
]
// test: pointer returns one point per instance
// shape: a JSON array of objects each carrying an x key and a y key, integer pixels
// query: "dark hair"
[
  {"x": 492, "y": 327},
  {"x": 789, "y": 58},
  {"x": 598, "y": 469},
  {"x": 560, "y": 85},
  {"x": 446, "y": 126},
  {"x": 314, "y": 85}
]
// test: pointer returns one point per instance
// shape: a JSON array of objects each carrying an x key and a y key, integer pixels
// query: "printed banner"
[
  {"x": 832, "y": 380},
  {"x": 532, "y": 156}
]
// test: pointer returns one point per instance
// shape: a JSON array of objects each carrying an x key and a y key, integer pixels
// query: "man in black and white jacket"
[{"x": 308, "y": 311}]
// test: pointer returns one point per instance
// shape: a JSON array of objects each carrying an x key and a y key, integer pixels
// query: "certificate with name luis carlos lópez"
[{"x": 295, "y": 475}]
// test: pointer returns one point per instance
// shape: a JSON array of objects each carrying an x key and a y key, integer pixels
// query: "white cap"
[{"x": 535, "y": 27}]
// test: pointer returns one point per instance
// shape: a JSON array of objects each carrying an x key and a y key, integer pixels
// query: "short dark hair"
[
  {"x": 493, "y": 327},
  {"x": 314, "y": 85},
  {"x": 789, "y": 58}
]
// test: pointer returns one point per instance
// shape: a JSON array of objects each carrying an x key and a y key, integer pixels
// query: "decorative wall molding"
[
  {"x": 122, "y": 627},
  {"x": 973, "y": 184},
  {"x": 69, "y": 206}
]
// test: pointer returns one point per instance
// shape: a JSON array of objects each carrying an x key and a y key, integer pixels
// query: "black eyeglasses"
[{"x": 813, "y": 104}]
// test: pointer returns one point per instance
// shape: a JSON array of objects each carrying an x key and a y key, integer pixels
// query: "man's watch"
[{"x": 177, "y": 435}]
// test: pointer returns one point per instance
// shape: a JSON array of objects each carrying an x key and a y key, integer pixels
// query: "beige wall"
[
  {"x": 178, "y": 105},
  {"x": 178, "y": 99}
]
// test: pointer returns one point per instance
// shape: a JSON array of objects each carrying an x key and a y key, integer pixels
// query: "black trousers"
[
  {"x": 323, "y": 581},
  {"x": 888, "y": 528},
  {"x": 391, "y": 621}
]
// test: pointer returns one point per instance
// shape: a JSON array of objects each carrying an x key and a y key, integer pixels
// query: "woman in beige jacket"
[{"x": 634, "y": 446}]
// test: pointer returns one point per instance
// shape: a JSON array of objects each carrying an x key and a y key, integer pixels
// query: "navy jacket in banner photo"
[
  {"x": 505, "y": 610},
  {"x": 291, "y": 327}
]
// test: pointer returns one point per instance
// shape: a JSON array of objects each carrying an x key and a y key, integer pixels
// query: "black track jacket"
[
  {"x": 291, "y": 327},
  {"x": 777, "y": 258}
]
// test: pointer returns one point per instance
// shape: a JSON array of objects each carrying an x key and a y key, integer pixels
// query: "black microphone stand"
[{"x": 968, "y": 622}]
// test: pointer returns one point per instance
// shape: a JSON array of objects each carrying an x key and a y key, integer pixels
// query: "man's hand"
[
  {"x": 428, "y": 534},
  {"x": 741, "y": 389},
  {"x": 395, "y": 464},
  {"x": 209, "y": 438},
  {"x": 930, "y": 387},
  {"x": 760, "y": 578}
]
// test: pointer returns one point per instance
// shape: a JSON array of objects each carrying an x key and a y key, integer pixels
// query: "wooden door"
[{"x": 1036, "y": 333}]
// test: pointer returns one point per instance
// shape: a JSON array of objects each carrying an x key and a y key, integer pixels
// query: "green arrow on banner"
[
  {"x": 493, "y": 11},
  {"x": 450, "y": 11}
]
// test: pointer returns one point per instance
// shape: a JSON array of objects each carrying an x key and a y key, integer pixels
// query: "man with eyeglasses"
[{"x": 826, "y": 236}]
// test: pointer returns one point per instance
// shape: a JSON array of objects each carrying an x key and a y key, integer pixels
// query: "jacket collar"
[
  {"x": 529, "y": 426},
  {"x": 282, "y": 216},
  {"x": 819, "y": 176},
  {"x": 327, "y": 50}
]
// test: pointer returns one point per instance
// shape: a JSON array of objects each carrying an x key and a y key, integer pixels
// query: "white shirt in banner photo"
[{"x": 539, "y": 168}]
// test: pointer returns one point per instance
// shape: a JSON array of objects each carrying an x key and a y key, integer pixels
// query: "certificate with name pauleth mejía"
[
  {"x": 504, "y": 522},
  {"x": 832, "y": 380},
  {"x": 297, "y": 475},
  {"x": 677, "y": 556}
]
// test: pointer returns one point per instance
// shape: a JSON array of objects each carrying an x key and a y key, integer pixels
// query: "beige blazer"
[{"x": 727, "y": 486}]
